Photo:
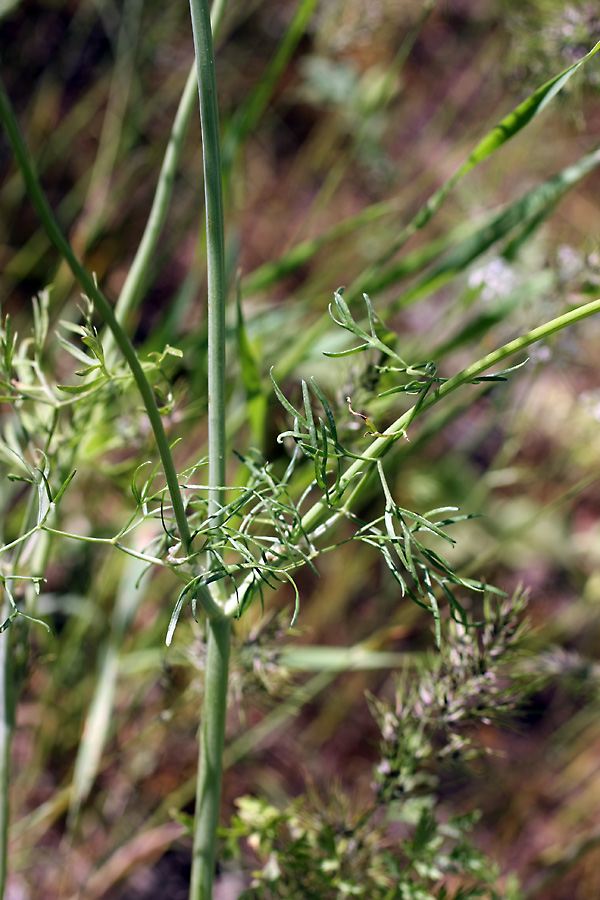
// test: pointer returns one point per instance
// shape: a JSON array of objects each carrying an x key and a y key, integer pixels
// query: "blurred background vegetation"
[{"x": 378, "y": 103}]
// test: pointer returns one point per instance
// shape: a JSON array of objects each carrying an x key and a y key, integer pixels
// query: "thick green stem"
[
  {"x": 215, "y": 241},
  {"x": 8, "y": 688},
  {"x": 210, "y": 760}
]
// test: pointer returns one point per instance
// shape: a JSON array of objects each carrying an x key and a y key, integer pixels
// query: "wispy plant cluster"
[
  {"x": 465, "y": 686},
  {"x": 402, "y": 845}
]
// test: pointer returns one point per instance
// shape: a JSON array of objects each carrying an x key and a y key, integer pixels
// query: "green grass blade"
[
  {"x": 500, "y": 134},
  {"x": 98, "y": 720},
  {"x": 516, "y": 120},
  {"x": 275, "y": 270},
  {"x": 534, "y": 205},
  {"x": 341, "y": 659}
]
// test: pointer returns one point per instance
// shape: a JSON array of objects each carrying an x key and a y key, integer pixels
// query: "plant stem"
[
  {"x": 210, "y": 757},
  {"x": 135, "y": 283},
  {"x": 9, "y": 677},
  {"x": 215, "y": 241}
]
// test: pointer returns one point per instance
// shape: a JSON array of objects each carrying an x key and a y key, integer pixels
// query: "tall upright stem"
[
  {"x": 9, "y": 678},
  {"x": 215, "y": 241},
  {"x": 208, "y": 795},
  {"x": 210, "y": 760}
]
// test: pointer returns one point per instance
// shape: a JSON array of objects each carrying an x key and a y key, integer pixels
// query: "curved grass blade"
[
  {"x": 98, "y": 720},
  {"x": 535, "y": 205},
  {"x": 500, "y": 134}
]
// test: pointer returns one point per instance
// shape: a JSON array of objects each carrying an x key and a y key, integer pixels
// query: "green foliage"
[
  {"x": 464, "y": 686},
  {"x": 402, "y": 845},
  {"x": 325, "y": 849}
]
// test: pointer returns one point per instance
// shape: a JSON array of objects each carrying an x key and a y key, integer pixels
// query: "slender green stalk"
[
  {"x": 215, "y": 241},
  {"x": 210, "y": 760},
  {"x": 7, "y": 727},
  {"x": 135, "y": 283},
  {"x": 212, "y": 741},
  {"x": 216, "y": 15},
  {"x": 88, "y": 283}
]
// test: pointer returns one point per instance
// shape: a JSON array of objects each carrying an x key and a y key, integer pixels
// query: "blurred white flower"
[
  {"x": 496, "y": 279},
  {"x": 540, "y": 353},
  {"x": 570, "y": 263}
]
